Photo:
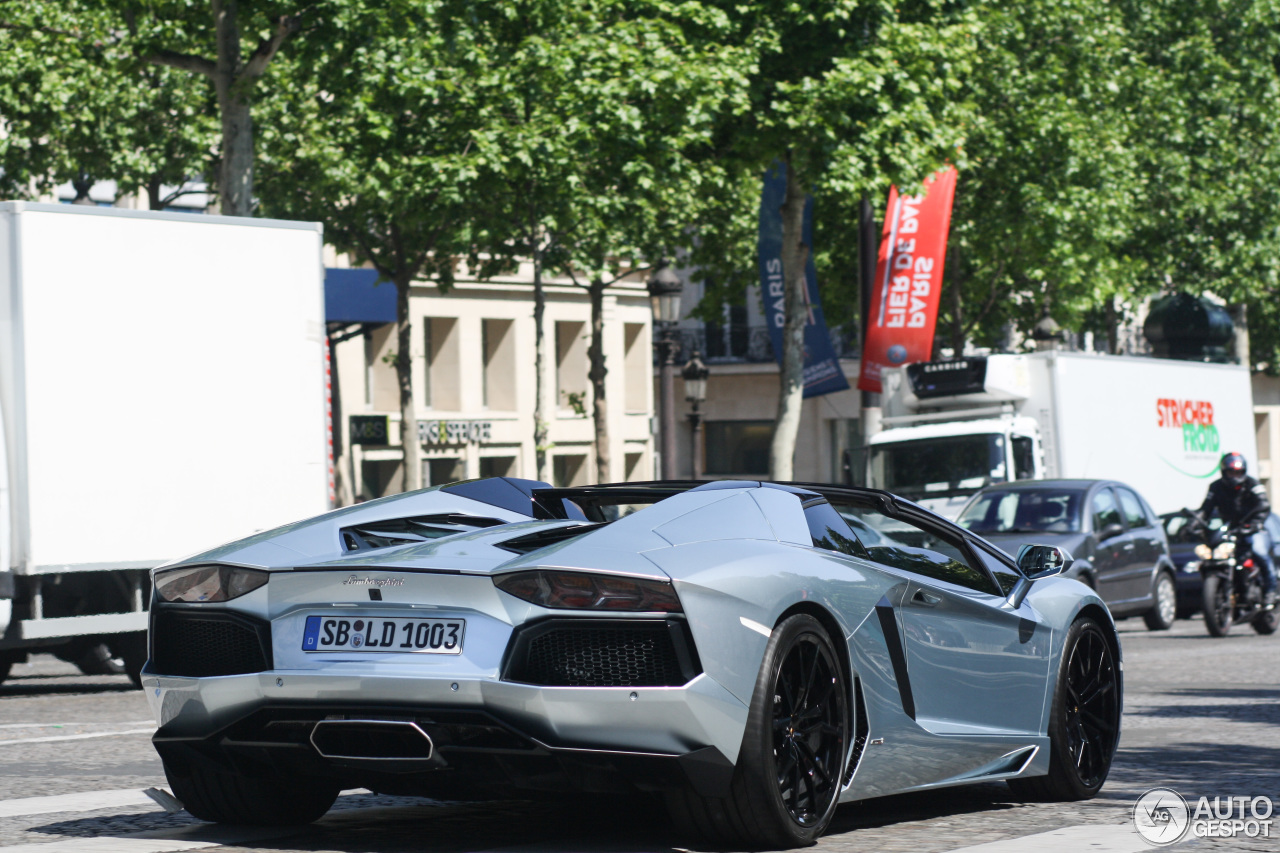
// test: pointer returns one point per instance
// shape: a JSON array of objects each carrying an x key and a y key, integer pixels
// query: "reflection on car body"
[{"x": 1116, "y": 539}]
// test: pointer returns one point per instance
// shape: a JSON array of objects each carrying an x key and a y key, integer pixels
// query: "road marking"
[
  {"x": 166, "y": 841},
  {"x": 53, "y": 738},
  {"x": 69, "y": 725},
  {"x": 1096, "y": 838},
  {"x": 86, "y": 802}
]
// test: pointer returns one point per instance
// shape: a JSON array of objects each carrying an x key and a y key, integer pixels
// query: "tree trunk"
[
  {"x": 235, "y": 172},
  {"x": 154, "y": 201},
  {"x": 795, "y": 254},
  {"x": 540, "y": 444},
  {"x": 597, "y": 373},
  {"x": 412, "y": 478},
  {"x": 1112, "y": 319}
]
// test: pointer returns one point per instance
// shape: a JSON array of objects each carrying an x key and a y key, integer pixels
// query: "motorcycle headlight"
[
  {"x": 207, "y": 583},
  {"x": 1224, "y": 551},
  {"x": 1204, "y": 552},
  {"x": 585, "y": 591},
  {"x": 1191, "y": 566}
]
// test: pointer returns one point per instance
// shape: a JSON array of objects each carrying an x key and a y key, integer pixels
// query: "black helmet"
[{"x": 1233, "y": 467}]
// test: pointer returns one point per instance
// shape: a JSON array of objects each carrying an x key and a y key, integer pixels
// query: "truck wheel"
[
  {"x": 132, "y": 649},
  {"x": 219, "y": 796},
  {"x": 1161, "y": 615}
]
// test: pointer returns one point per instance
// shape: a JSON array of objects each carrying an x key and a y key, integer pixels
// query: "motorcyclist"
[{"x": 1241, "y": 502}]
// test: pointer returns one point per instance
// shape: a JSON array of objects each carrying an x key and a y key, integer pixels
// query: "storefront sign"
[
  {"x": 369, "y": 429},
  {"x": 454, "y": 432}
]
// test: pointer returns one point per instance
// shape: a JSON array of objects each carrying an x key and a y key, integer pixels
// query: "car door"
[
  {"x": 1148, "y": 545},
  {"x": 1112, "y": 555},
  {"x": 975, "y": 663}
]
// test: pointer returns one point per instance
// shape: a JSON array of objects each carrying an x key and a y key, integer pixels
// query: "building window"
[
  {"x": 442, "y": 373},
  {"x": 380, "y": 478},
  {"x": 637, "y": 370},
  {"x": 497, "y": 466},
  {"x": 738, "y": 448},
  {"x": 499, "y": 382},
  {"x": 571, "y": 367},
  {"x": 569, "y": 470},
  {"x": 438, "y": 472},
  {"x": 635, "y": 467}
]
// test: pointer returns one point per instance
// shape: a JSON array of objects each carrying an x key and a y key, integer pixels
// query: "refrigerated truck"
[
  {"x": 162, "y": 390},
  {"x": 1160, "y": 425}
]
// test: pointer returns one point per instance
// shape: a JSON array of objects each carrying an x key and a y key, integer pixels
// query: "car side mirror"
[
  {"x": 1043, "y": 561},
  {"x": 1111, "y": 531}
]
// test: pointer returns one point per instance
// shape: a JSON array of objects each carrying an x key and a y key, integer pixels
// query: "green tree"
[
  {"x": 76, "y": 105},
  {"x": 850, "y": 96},
  {"x": 1208, "y": 147},
  {"x": 1052, "y": 187},
  {"x": 607, "y": 110},
  {"x": 380, "y": 147}
]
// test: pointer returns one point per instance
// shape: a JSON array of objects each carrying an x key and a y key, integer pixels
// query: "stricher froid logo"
[{"x": 1189, "y": 436}]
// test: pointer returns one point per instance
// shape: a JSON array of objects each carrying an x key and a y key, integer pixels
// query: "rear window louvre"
[
  {"x": 531, "y": 542},
  {"x": 393, "y": 532}
]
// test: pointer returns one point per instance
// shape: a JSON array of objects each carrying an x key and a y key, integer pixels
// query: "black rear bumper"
[{"x": 475, "y": 756}]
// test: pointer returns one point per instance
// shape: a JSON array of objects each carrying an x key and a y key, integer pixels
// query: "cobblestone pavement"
[{"x": 1202, "y": 716}]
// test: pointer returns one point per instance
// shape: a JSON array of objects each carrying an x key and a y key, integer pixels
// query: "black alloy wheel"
[
  {"x": 1092, "y": 707},
  {"x": 1218, "y": 605},
  {"x": 789, "y": 771},
  {"x": 1084, "y": 726},
  {"x": 808, "y": 729}
]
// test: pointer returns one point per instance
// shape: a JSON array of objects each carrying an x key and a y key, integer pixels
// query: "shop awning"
[{"x": 356, "y": 296}]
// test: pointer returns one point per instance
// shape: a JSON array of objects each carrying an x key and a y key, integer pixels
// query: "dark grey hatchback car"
[{"x": 1118, "y": 543}]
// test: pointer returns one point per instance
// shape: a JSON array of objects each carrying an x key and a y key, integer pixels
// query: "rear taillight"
[{"x": 586, "y": 591}]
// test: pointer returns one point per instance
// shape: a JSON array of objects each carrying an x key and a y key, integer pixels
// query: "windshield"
[
  {"x": 1024, "y": 511},
  {"x": 936, "y": 467}
]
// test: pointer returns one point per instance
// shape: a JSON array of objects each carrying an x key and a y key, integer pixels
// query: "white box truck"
[
  {"x": 162, "y": 390},
  {"x": 1160, "y": 425}
]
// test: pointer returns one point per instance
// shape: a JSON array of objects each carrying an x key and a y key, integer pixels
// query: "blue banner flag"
[{"x": 822, "y": 373}]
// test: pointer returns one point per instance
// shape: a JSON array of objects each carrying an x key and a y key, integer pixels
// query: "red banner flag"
[{"x": 904, "y": 303}]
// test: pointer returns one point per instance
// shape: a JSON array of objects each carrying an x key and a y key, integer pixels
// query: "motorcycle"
[{"x": 1232, "y": 580}]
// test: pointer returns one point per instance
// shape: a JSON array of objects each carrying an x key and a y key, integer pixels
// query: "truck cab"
[{"x": 952, "y": 427}]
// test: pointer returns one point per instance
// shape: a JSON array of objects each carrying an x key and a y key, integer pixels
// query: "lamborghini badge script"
[{"x": 356, "y": 580}]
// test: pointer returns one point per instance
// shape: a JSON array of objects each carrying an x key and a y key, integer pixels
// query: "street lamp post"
[
  {"x": 695, "y": 375},
  {"x": 664, "y": 293}
]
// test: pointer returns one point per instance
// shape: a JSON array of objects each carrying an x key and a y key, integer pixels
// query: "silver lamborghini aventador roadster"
[{"x": 755, "y": 653}]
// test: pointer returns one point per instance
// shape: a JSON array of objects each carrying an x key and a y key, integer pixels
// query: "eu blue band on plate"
[{"x": 312, "y": 635}]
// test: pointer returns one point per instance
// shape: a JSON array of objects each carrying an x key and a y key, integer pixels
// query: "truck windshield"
[
  {"x": 936, "y": 467},
  {"x": 1023, "y": 511}
]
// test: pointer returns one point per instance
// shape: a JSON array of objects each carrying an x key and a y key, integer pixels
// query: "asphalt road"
[{"x": 1202, "y": 716}]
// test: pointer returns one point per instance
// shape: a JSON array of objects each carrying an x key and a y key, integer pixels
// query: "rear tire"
[
  {"x": 1084, "y": 722},
  {"x": 1218, "y": 615},
  {"x": 788, "y": 777},
  {"x": 220, "y": 796},
  {"x": 1165, "y": 609}
]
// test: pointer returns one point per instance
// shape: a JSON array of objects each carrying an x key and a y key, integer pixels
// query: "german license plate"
[{"x": 424, "y": 636}]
